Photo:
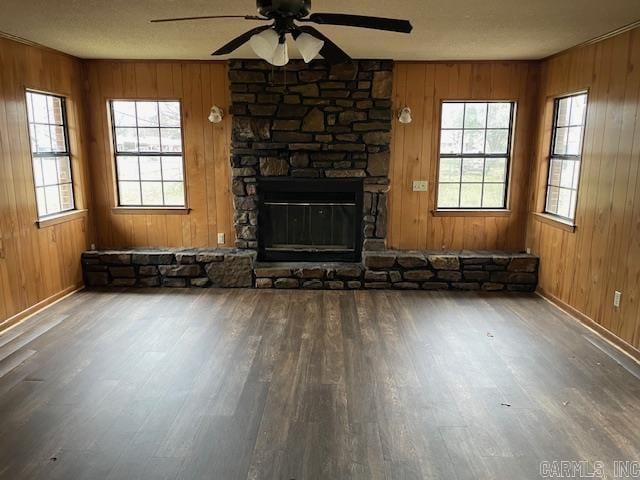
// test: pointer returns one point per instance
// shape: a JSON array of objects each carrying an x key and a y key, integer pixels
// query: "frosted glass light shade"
[
  {"x": 264, "y": 44},
  {"x": 280, "y": 56},
  {"x": 404, "y": 116},
  {"x": 309, "y": 46}
]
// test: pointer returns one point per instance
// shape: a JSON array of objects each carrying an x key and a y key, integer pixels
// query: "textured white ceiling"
[{"x": 443, "y": 29}]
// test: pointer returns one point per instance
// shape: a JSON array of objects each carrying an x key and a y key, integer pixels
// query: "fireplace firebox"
[{"x": 317, "y": 220}]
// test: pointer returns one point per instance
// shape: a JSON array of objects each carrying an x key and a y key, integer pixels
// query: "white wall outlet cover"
[
  {"x": 420, "y": 185},
  {"x": 221, "y": 238},
  {"x": 617, "y": 297}
]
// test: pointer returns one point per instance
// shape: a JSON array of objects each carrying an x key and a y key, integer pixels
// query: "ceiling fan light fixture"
[
  {"x": 280, "y": 56},
  {"x": 309, "y": 46},
  {"x": 265, "y": 43}
]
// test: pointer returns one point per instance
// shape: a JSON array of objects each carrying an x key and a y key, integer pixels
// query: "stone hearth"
[{"x": 311, "y": 121}]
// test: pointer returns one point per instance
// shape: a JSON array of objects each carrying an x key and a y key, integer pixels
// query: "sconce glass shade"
[
  {"x": 309, "y": 46},
  {"x": 264, "y": 44},
  {"x": 280, "y": 56},
  {"x": 404, "y": 116},
  {"x": 216, "y": 114}
]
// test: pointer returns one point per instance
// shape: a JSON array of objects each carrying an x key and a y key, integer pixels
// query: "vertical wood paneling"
[
  {"x": 37, "y": 263},
  {"x": 414, "y": 153},
  {"x": 198, "y": 85},
  {"x": 585, "y": 267}
]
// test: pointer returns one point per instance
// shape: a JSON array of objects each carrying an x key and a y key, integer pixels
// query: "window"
[
  {"x": 566, "y": 155},
  {"x": 50, "y": 155},
  {"x": 148, "y": 148},
  {"x": 475, "y": 148}
]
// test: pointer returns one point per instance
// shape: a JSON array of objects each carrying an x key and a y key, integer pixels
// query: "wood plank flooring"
[{"x": 251, "y": 384}]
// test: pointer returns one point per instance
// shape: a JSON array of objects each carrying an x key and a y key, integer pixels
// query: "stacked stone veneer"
[
  {"x": 227, "y": 268},
  {"x": 311, "y": 121}
]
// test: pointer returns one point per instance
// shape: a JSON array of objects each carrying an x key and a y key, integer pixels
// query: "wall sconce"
[
  {"x": 404, "y": 115},
  {"x": 216, "y": 114}
]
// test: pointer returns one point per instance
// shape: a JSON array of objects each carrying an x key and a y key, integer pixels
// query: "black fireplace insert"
[{"x": 318, "y": 220}]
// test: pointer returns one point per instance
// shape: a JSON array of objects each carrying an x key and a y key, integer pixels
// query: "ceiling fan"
[{"x": 269, "y": 41}]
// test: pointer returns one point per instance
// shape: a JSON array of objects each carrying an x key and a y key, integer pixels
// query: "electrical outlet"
[
  {"x": 420, "y": 185},
  {"x": 221, "y": 239},
  {"x": 617, "y": 297},
  {"x": 528, "y": 251}
]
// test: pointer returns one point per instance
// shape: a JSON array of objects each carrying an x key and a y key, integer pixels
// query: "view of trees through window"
[
  {"x": 566, "y": 155},
  {"x": 475, "y": 148},
  {"x": 148, "y": 144},
  {"x": 50, "y": 153}
]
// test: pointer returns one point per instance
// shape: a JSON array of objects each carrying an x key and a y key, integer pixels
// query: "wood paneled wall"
[
  {"x": 422, "y": 86},
  {"x": 36, "y": 264},
  {"x": 198, "y": 85},
  {"x": 585, "y": 267}
]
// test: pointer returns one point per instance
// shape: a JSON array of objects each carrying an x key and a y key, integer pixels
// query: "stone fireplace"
[{"x": 310, "y": 142}]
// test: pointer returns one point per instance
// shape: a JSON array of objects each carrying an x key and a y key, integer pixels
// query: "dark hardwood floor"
[{"x": 236, "y": 384}]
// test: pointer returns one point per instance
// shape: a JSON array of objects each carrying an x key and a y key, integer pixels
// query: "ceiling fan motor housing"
[{"x": 283, "y": 8}]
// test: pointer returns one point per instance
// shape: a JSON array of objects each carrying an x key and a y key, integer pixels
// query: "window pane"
[
  {"x": 174, "y": 193},
  {"x": 126, "y": 140},
  {"x": 566, "y": 177},
  {"x": 152, "y": 193},
  {"x": 555, "y": 172},
  {"x": 58, "y": 143},
  {"x": 573, "y": 205},
  {"x": 560, "y": 147},
  {"x": 124, "y": 114},
  {"x": 472, "y": 169},
  {"x": 493, "y": 195},
  {"x": 147, "y": 114},
  {"x": 576, "y": 175},
  {"x": 448, "y": 195},
  {"x": 495, "y": 169},
  {"x": 66, "y": 196},
  {"x": 64, "y": 170},
  {"x": 497, "y": 141},
  {"x": 129, "y": 193},
  {"x": 475, "y": 115},
  {"x": 52, "y": 196},
  {"x": 552, "y": 199},
  {"x": 149, "y": 139},
  {"x": 150, "y": 169},
  {"x": 452, "y": 115},
  {"x": 471, "y": 195},
  {"x": 574, "y": 141},
  {"x": 40, "y": 201},
  {"x": 43, "y": 138},
  {"x": 55, "y": 110},
  {"x": 172, "y": 168},
  {"x": 578, "y": 109},
  {"x": 49, "y": 170},
  {"x": 564, "y": 203},
  {"x": 127, "y": 168},
  {"x": 449, "y": 170},
  {"x": 169, "y": 114},
  {"x": 37, "y": 172},
  {"x": 171, "y": 140},
  {"x": 40, "y": 112},
  {"x": 473, "y": 141},
  {"x": 563, "y": 112},
  {"x": 451, "y": 141},
  {"x": 499, "y": 115}
]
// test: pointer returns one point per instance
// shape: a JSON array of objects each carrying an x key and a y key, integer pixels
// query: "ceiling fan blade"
[
  {"x": 330, "y": 51},
  {"x": 377, "y": 23},
  {"x": 239, "y": 41},
  {"x": 181, "y": 19}
]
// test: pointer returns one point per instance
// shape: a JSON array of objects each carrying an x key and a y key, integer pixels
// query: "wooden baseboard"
[
  {"x": 588, "y": 322},
  {"x": 32, "y": 310}
]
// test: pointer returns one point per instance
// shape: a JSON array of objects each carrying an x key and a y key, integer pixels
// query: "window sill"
[
  {"x": 565, "y": 225},
  {"x": 150, "y": 211},
  {"x": 61, "y": 218},
  {"x": 471, "y": 213}
]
